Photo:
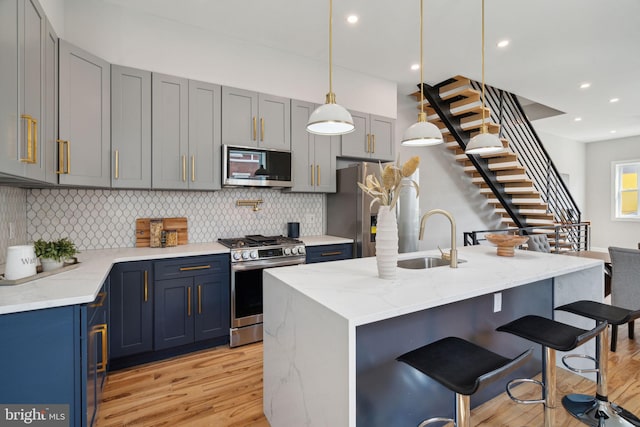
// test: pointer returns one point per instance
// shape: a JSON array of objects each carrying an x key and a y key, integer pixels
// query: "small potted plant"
[{"x": 54, "y": 253}]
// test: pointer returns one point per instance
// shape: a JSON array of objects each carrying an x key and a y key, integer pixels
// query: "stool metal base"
[{"x": 598, "y": 413}]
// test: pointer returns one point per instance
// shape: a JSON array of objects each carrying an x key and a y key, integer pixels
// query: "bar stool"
[
  {"x": 597, "y": 410},
  {"x": 552, "y": 335},
  {"x": 462, "y": 367}
]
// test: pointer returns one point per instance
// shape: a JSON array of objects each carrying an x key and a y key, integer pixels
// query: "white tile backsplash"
[
  {"x": 96, "y": 219},
  {"x": 13, "y": 218}
]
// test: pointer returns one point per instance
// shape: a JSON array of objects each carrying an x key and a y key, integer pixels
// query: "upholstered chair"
[{"x": 538, "y": 243}]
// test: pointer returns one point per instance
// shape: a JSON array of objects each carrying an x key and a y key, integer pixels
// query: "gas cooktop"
[{"x": 257, "y": 240}]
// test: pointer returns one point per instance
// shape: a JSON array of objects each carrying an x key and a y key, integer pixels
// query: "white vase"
[
  {"x": 387, "y": 243},
  {"x": 49, "y": 264}
]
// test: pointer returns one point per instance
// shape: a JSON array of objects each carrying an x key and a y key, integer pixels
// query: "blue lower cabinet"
[
  {"x": 324, "y": 253},
  {"x": 131, "y": 308},
  {"x": 50, "y": 357}
]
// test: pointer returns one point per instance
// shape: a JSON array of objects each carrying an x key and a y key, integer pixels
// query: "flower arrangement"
[
  {"x": 387, "y": 192},
  {"x": 58, "y": 250}
]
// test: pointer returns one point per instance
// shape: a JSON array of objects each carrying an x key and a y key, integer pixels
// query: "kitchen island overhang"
[{"x": 313, "y": 314}]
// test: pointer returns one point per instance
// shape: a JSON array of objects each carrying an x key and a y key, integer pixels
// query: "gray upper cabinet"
[
  {"x": 170, "y": 134},
  {"x": 204, "y": 136},
  {"x": 85, "y": 124},
  {"x": 186, "y": 134},
  {"x": 28, "y": 73},
  {"x": 313, "y": 156},
  {"x": 50, "y": 106},
  {"x": 130, "y": 127},
  {"x": 373, "y": 138},
  {"x": 255, "y": 119}
]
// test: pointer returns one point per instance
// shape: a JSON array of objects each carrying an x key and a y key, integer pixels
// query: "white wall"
[
  {"x": 569, "y": 157},
  {"x": 444, "y": 185},
  {"x": 124, "y": 36},
  {"x": 606, "y": 232}
]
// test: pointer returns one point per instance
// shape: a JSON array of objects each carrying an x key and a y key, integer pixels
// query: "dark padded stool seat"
[
  {"x": 462, "y": 367},
  {"x": 600, "y": 312},
  {"x": 549, "y": 333},
  {"x": 552, "y": 335}
]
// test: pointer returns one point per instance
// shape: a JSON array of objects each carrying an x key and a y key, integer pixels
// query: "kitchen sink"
[{"x": 425, "y": 262}]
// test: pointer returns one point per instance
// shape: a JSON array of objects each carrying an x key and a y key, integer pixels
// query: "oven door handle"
[{"x": 257, "y": 265}]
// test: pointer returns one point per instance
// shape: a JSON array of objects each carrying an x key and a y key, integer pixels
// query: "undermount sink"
[{"x": 425, "y": 262}]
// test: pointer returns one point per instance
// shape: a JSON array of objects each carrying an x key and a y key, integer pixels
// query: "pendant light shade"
[
  {"x": 422, "y": 133},
  {"x": 330, "y": 118},
  {"x": 484, "y": 142}
]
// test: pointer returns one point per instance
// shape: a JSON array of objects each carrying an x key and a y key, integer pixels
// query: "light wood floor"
[{"x": 222, "y": 387}]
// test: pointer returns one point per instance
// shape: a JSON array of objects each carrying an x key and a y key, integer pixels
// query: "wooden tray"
[
  {"x": 40, "y": 275},
  {"x": 143, "y": 235}
]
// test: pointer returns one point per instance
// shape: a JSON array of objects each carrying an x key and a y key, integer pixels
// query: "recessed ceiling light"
[
  {"x": 352, "y": 19},
  {"x": 613, "y": 131},
  {"x": 577, "y": 119},
  {"x": 585, "y": 85},
  {"x": 612, "y": 100},
  {"x": 503, "y": 43},
  {"x": 415, "y": 67}
]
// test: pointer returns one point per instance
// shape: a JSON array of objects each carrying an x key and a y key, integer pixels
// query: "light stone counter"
[
  {"x": 324, "y": 240},
  {"x": 312, "y": 315}
]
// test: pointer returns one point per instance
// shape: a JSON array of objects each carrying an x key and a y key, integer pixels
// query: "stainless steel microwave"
[{"x": 255, "y": 167}]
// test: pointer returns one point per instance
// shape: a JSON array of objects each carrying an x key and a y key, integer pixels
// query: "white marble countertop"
[
  {"x": 352, "y": 289},
  {"x": 81, "y": 285}
]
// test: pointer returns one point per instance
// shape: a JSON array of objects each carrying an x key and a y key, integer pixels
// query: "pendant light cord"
[
  {"x": 331, "y": 46},
  {"x": 421, "y": 63},
  {"x": 483, "y": 128}
]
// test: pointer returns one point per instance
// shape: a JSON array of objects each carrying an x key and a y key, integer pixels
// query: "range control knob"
[
  {"x": 301, "y": 250},
  {"x": 237, "y": 256},
  {"x": 245, "y": 255},
  {"x": 254, "y": 254},
  {"x": 287, "y": 251}
]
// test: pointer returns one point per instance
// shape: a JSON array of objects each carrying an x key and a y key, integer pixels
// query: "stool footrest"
[
  {"x": 580, "y": 356},
  {"x": 437, "y": 420},
  {"x": 517, "y": 381}
]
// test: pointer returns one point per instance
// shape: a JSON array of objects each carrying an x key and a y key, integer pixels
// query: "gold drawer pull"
[
  {"x": 331, "y": 253},
  {"x": 189, "y": 301},
  {"x": 261, "y": 128},
  {"x": 117, "y": 172},
  {"x": 199, "y": 299},
  {"x": 255, "y": 128},
  {"x": 32, "y": 139},
  {"x": 101, "y": 366},
  {"x": 146, "y": 286},
  {"x": 193, "y": 168},
  {"x": 197, "y": 267},
  {"x": 312, "y": 177},
  {"x": 103, "y": 297}
]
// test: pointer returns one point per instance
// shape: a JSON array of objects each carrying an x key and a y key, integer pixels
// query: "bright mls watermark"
[{"x": 34, "y": 415}]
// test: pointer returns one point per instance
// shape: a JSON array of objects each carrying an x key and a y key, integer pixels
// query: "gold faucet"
[{"x": 453, "y": 254}]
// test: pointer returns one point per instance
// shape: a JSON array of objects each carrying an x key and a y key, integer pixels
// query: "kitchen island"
[{"x": 332, "y": 331}]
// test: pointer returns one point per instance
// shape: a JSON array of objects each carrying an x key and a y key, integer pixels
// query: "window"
[{"x": 626, "y": 186}]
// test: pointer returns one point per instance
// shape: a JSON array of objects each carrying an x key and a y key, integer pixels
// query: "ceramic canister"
[{"x": 21, "y": 262}]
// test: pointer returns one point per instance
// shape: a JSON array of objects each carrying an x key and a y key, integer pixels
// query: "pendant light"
[
  {"x": 484, "y": 142},
  {"x": 422, "y": 133},
  {"x": 330, "y": 118}
]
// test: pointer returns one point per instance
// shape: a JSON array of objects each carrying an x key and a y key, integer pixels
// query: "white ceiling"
[{"x": 555, "y": 45}]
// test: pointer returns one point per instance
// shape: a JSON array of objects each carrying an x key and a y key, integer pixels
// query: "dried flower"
[{"x": 392, "y": 176}]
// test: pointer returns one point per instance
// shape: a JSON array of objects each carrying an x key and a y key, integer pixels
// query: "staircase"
[{"x": 520, "y": 181}]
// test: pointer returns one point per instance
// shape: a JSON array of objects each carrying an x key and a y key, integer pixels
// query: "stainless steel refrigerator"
[{"x": 349, "y": 214}]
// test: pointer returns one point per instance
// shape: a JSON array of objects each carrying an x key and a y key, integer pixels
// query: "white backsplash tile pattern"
[
  {"x": 97, "y": 219},
  {"x": 13, "y": 217}
]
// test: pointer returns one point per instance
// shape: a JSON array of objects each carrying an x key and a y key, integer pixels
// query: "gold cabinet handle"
[
  {"x": 101, "y": 366},
  {"x": 255, "y": 128},
  {"x": 63, "y": 167},
  {"x": 117, "y": 172},
  {"x": 368, "y": 143},
  {"x": 199, "y": 299},
  {"x": 184, "y": 168},
  {"x": 331, "y": 253},
  {"x": 312, "y": 177},
  {"x": 189, "y": 301},
  {"x": 103, "y": 297},
  {"x": 318, "y": 174},
  {"x": 146, "y": 286},
  {"x": 32, "y": 139},
  {"x": 261, "y": 128},
  {"x": 373, "y": 143},
  {"x": 193, "y": 168},
  {"x": 197, "y": 267}
]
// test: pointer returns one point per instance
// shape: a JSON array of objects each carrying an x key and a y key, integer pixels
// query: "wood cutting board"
[{"x": 143, "y": 234}]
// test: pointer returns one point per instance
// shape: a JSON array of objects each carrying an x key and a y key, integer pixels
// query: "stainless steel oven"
[{"x": 249, "y": 257}]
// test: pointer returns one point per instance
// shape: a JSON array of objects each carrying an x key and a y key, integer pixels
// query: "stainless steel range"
[{"x": 249, "y": 256}]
